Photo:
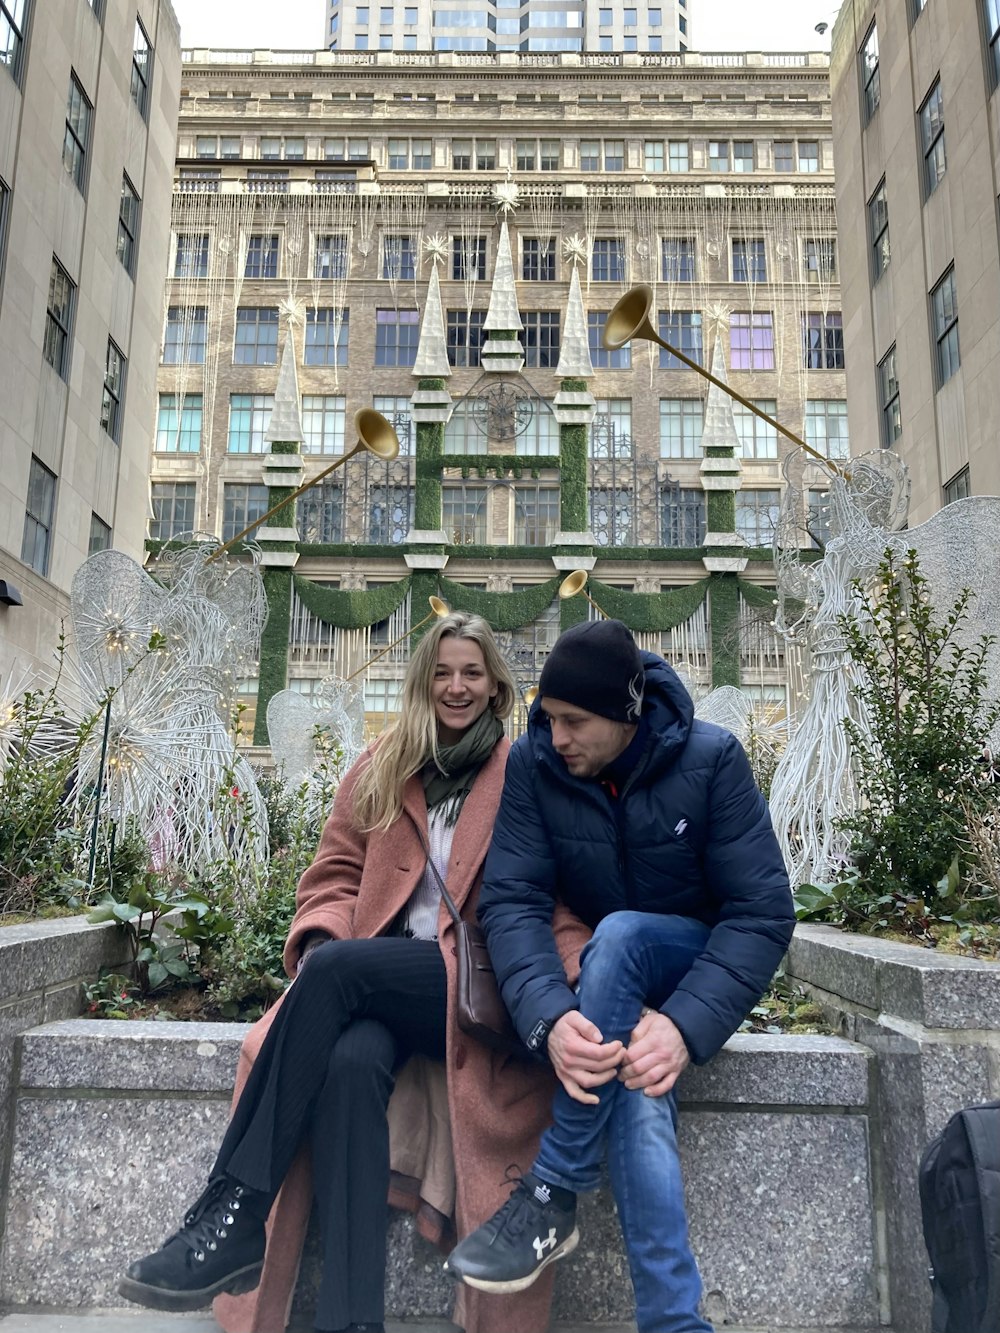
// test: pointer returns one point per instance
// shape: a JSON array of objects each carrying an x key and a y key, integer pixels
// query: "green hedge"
[
  {"x": 352, "y": 608},
  {"x": 500, "y": 465},
  {"x": 573, "y": 515},
  {"x": 273, "y": 674}
]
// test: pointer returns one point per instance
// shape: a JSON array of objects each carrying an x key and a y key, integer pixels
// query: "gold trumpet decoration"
[
  {"x": 575, "y": 583},
  {"x": 530, "y": 695},
  {"x": 375, "y": 435},
  {"x": 438, "y": 608},
  {"x": 630, "y": 319}
]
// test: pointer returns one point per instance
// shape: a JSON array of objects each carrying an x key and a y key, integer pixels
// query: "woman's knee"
[{"x": 365, "y": 1052}]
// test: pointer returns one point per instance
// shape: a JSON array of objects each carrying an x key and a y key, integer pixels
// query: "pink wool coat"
[{"x": 497, "y": 1106}]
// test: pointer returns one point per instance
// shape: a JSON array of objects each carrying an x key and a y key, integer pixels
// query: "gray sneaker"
[{"x": 508, "y": 1252}]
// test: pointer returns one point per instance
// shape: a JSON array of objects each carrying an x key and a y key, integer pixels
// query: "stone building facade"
[
  {"x": 916, "y": 130},
  {"x": 313, "y": 197},
  {"x": 88, "y": 112}
]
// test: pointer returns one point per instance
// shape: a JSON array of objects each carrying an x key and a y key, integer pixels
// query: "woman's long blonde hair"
[{"x": 413, "y": 739}]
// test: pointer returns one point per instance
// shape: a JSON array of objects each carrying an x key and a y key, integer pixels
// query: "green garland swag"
[
  {"x": 351, "y": 608},
  {"x": 764, "y": 599},
  {"x": 501, "y": 610},
  {"x": 649, "y": 612}
]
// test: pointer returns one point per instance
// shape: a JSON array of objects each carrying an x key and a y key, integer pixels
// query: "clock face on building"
[{"x": 502, "y": 411}]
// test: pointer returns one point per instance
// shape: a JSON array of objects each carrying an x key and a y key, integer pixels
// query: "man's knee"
[{"x": 613, "y": 940}]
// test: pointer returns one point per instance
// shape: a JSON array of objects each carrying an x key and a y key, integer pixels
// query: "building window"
[
  {"x": 262, "y": 257},
  {"x": 609, "y": 263},
  {"x": 992, "y": 15},
  {"x": 256, "y": 336},
  {"x": 128, "y": 226},
  {"x": 525, "y": 154},
  {"x": 888, "y": 393},
  {"x": 614, "y": 155},
  {"x": 818, "y": 518},
  {"x": 541, "y": 436},
  {"x": 399, "y": 258},
  {"x": 601, "y": 357},
  {"x": 718, "y": 155},
  {"x": 332, "y": 257},
  {"x": 179, "y": 432},
  {"x": 100, "y": 535},
  {"x": 77, "y": 136},
  {"x": 319, "y": 514},
  {"x": 682, "y": 330},
  {"x": 826, "y": 427},
  {"x": 823, "y": 340},
  {"x": 36, "y": 543},
  {"x": 231, "y": 147},
  {"x": 242, "y": 504},
  {"x": 959, "y": 488},
  {"x": 461, "y": 155},
  {"x": 468, "y": 258},
  {"x": 653, "y": 157},
  {"x": 611, "y": 509},
  {"x": 463, "y": 509},
  {"x": 391, "y": 515},
  {"x": 114, "y": 392},
  {"x": 326, "y": 336},
  {"x": 399, "y": 154},
  {"x": 611, "y": 429},
  {"x": 397, "y": 333},
  {"x": 758, "y": 439},
  {"x": 932, "y": 138},
  {"x": 819, "y": 259},
  {"x": 184, "y": 340},
  {"x": 677, "y": 155},
  {"x": 397, "y": 410},
  {"x": 681, "y": 425},
  {"x": 749, "y": 259},
  {"x": 751, "y": 341},
  {"x": 486, "y": 155},
  {"x": 536, "y": 514},
  {"x": 323, "y": 423},
  {"x": 191, "y": 256},
  {"x": 141, "y": 64},
  {"x": 541, "y": 338},
  {"x": 590, "y": 155},
  {"x": 743, "y": 155},
  {"x": 420, "y": 153},
  {"x": 249, "y": 415},
  {"x": 538, "y": 259},
  {"x": 784, "y": 156},
  {"x": 13, "y": 14},
  {"x": 878, "y": 231},
  {"x": 462, "y": 434},
  {"x": 173, "y": 510},
  {"x": 345, "y": 150},
  {"x": 808, "y": 155},
  {"x": 465, "y": 337},
  {"x": 59, "y": 319},
  {"x": 870, "y": 83},
  {"x": 678, "y": 258},
  {"x": 757, "y": 515},
  {"x": 682, "y": 516},
  {"x": 944, "y": 301}
]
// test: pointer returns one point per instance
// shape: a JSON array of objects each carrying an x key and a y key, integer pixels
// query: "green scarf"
[{"x": 448, "y": 782}]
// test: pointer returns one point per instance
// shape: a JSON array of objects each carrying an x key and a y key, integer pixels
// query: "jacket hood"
[{"x": 666, "y": 706}]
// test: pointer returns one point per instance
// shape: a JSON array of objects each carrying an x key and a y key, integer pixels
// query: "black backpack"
[{"x": 960, "y": 1206}]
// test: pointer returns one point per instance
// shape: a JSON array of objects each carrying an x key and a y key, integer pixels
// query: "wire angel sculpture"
[
  {"x": 314, "y": 741},
  {"x": 814, "y": 787},
  {"x": 162, "y": 660}
]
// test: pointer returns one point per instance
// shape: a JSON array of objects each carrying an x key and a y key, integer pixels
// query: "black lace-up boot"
[{"x": 219, "y": 1248}]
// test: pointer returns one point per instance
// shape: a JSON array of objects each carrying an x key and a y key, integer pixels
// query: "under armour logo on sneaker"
[
  {"x": 680, "y": 826},
  {"x": 549, "y": 1243},
  {"x": 543, "y": 1194}
]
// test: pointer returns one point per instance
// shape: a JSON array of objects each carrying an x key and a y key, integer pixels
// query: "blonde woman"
[{"x": 371, "y": 947}]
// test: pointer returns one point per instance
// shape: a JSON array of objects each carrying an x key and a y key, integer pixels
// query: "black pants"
[{"x": 326, "y": 1069}]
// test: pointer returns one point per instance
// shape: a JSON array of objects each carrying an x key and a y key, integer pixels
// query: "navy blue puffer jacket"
[{"x": 689, "y": 836}]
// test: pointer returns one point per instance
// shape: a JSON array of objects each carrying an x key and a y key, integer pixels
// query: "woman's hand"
[
  {"x": 311, "y": 943},
  {"x": 580, "y": 1056}
]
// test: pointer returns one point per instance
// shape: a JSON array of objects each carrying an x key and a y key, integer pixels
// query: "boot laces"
[
  {"x": 209, "y": 1220},
  {"x": 514, "y": 1216}
]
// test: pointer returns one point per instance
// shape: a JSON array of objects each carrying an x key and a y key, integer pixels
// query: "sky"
[{"x": 717, "y": 25}]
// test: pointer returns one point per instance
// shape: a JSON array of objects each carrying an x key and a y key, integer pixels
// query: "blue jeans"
[{"x": 634, "y": 959}]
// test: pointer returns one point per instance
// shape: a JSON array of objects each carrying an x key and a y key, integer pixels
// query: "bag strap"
[
  {"x": 981, "y": 1126},
  {"x": 449, "y": 902}
]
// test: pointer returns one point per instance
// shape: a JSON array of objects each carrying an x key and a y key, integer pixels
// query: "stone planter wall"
[
  {"x": 42, "y": 967},
  {"x": 932, "y": 1022},
  {"x": 117, "y": 1124}
]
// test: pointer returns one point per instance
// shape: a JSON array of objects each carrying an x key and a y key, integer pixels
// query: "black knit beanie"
[{"x": 596, "y": 666}]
